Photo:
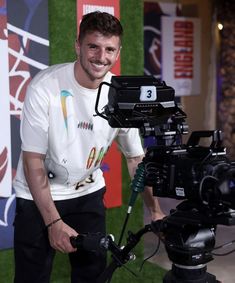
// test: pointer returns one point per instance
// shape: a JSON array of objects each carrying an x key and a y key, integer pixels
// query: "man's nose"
[{"x": 101, "y": 54}]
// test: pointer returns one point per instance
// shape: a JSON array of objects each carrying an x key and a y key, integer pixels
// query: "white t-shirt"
[{"x": 58, "y": 120}]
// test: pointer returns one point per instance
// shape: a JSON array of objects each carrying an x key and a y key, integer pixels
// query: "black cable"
[
  {"x": 223, "y": 246},
  {"x": 224, "y": 254},
  {"x": 153, "y": 254}
]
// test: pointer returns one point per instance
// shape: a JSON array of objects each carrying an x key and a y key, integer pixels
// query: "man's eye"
[{"x": 110, "y": 50}]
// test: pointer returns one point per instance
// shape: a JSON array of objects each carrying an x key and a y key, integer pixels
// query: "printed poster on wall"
[
  {"x": 181, "y": 54},
  {"x": 111, "y": 164},
  {"x": 5, "y": 140},
  {"x": 26, "y": 52},
  {"x": 153, "y": 11}
]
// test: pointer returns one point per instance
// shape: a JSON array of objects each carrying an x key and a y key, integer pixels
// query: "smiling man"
[{"x": 59, "y": 184}]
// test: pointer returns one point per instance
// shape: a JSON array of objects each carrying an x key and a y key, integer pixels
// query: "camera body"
[
  {"x": 194, "y": 172},
  {"x": 202, "y": 174}
]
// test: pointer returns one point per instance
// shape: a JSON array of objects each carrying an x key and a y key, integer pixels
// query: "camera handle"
[
  {"x": 121, "y": 256},
  {"x": 98, "y": 113}
]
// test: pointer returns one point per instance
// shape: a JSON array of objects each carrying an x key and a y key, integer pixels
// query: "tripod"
[{"x": 185, "y": 274}]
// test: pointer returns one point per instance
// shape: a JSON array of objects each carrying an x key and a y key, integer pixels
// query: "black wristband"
[{"x": 53, "y": 222}]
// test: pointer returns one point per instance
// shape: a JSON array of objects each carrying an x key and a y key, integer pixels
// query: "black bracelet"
[{"x": 53, "y": 222}]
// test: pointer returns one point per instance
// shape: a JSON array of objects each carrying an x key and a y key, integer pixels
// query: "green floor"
[{"x": 149, "y": 273}]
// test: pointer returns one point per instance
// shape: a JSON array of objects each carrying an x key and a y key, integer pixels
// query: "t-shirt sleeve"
[
  {"x": 129, "y": 142},
  {"x": 34, "y": 121}
]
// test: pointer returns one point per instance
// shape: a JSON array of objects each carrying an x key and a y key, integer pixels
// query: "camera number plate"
[{"x": 148, "y": 93}]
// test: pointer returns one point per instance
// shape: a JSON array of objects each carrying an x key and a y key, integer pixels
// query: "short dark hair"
[{"x": 102, "y": 22}]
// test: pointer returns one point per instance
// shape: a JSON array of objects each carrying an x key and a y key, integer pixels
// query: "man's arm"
[
  {"x": 150, "y": 201},
  {"x": 36, "y": 177}
]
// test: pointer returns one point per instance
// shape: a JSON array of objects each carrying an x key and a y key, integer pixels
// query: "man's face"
[{"x": 96, "y": 54}]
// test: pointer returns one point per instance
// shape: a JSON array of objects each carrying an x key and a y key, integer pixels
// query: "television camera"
[{"x": 201, "y": 176}]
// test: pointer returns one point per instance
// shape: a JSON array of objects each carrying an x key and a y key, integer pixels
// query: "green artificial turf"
[
  {"x": 62, "y": 30},
  {"x": 132, "y": 54}
]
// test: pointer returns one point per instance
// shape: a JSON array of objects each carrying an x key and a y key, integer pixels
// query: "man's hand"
[{"x": 59, "y": 236}]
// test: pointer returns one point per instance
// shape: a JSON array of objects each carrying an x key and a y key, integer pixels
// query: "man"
[{"x": 59, "y": 185}]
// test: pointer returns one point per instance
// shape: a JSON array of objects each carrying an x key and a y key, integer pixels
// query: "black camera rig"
[{"x": 201, "y": 176}]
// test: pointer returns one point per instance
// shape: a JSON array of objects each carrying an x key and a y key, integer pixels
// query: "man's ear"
[
  {"x": 77, "y": 47},
  {"x": 118, "y": 54}
]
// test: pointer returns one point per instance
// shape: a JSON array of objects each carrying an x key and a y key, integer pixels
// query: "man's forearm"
[
  {"x": 152, "y": 204},
  {"x": 37, "y": 180},
  {"x": 59, "y": 233},
  {"x": 132, "y": 164}
]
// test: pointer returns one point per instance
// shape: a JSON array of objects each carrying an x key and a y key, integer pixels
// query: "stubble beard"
[{"x": 88, "y": 73}]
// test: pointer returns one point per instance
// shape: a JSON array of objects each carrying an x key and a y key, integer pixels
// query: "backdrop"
[{"x": 28, "y": 53}]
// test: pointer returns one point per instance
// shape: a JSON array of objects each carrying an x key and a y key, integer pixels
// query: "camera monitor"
[{"x": 138, "y": 101}]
